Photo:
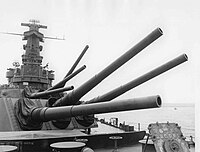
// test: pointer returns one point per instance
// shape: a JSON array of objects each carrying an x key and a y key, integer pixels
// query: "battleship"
[{"x": 37, "y": 115}]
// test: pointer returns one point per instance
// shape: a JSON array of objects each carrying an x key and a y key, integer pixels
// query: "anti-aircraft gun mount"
[{"x": 30, "y": 102}]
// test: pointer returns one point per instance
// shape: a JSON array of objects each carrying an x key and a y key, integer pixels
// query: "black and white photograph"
[{"x": 99, "y": 75}]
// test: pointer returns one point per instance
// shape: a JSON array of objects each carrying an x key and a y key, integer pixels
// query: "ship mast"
[{"x": 31, "y": 73}]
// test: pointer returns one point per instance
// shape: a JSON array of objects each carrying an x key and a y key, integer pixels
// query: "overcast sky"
[{"x": 110, "y": 28}]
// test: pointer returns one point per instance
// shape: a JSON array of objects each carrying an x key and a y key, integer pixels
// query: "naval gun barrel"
[
  {"x": 67, "y": 78},
  {"x": 136, "y": 82},
  {"x": 55, "y": 113},
  {"x": 50, "y": 92},
  {"x": 78, "y": 60},
  {"x": 71, "y": 74},
  {"x": 76, "y": 95}
]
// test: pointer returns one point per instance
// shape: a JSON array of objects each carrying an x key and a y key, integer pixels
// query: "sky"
[{"x": 110, "y": 28}]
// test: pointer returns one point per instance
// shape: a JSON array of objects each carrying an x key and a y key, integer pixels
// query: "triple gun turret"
[{"x": 70, "y": 105}]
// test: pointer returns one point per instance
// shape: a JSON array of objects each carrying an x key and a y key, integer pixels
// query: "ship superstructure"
[{"x": 31, "y": 73}]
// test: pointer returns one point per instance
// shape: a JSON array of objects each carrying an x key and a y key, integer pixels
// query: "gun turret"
[
  {"x": 75, "y": 96},
  {"x": 66, "y": 110},
  {"x": 31, "y": 117}
]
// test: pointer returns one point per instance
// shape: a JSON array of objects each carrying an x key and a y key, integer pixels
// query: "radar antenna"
[
  {"x": 34, "y": 21},
  {"x": 33, "y": 25}
]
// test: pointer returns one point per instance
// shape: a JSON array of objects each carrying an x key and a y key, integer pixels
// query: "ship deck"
[
  {"x": 103, "y": 128},
  {"x": 133, "y": 148},
  {"x": 101, "y": 135}
]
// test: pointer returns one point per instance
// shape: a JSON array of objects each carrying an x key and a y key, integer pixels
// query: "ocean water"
[{"x": 184, "y": 116}]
